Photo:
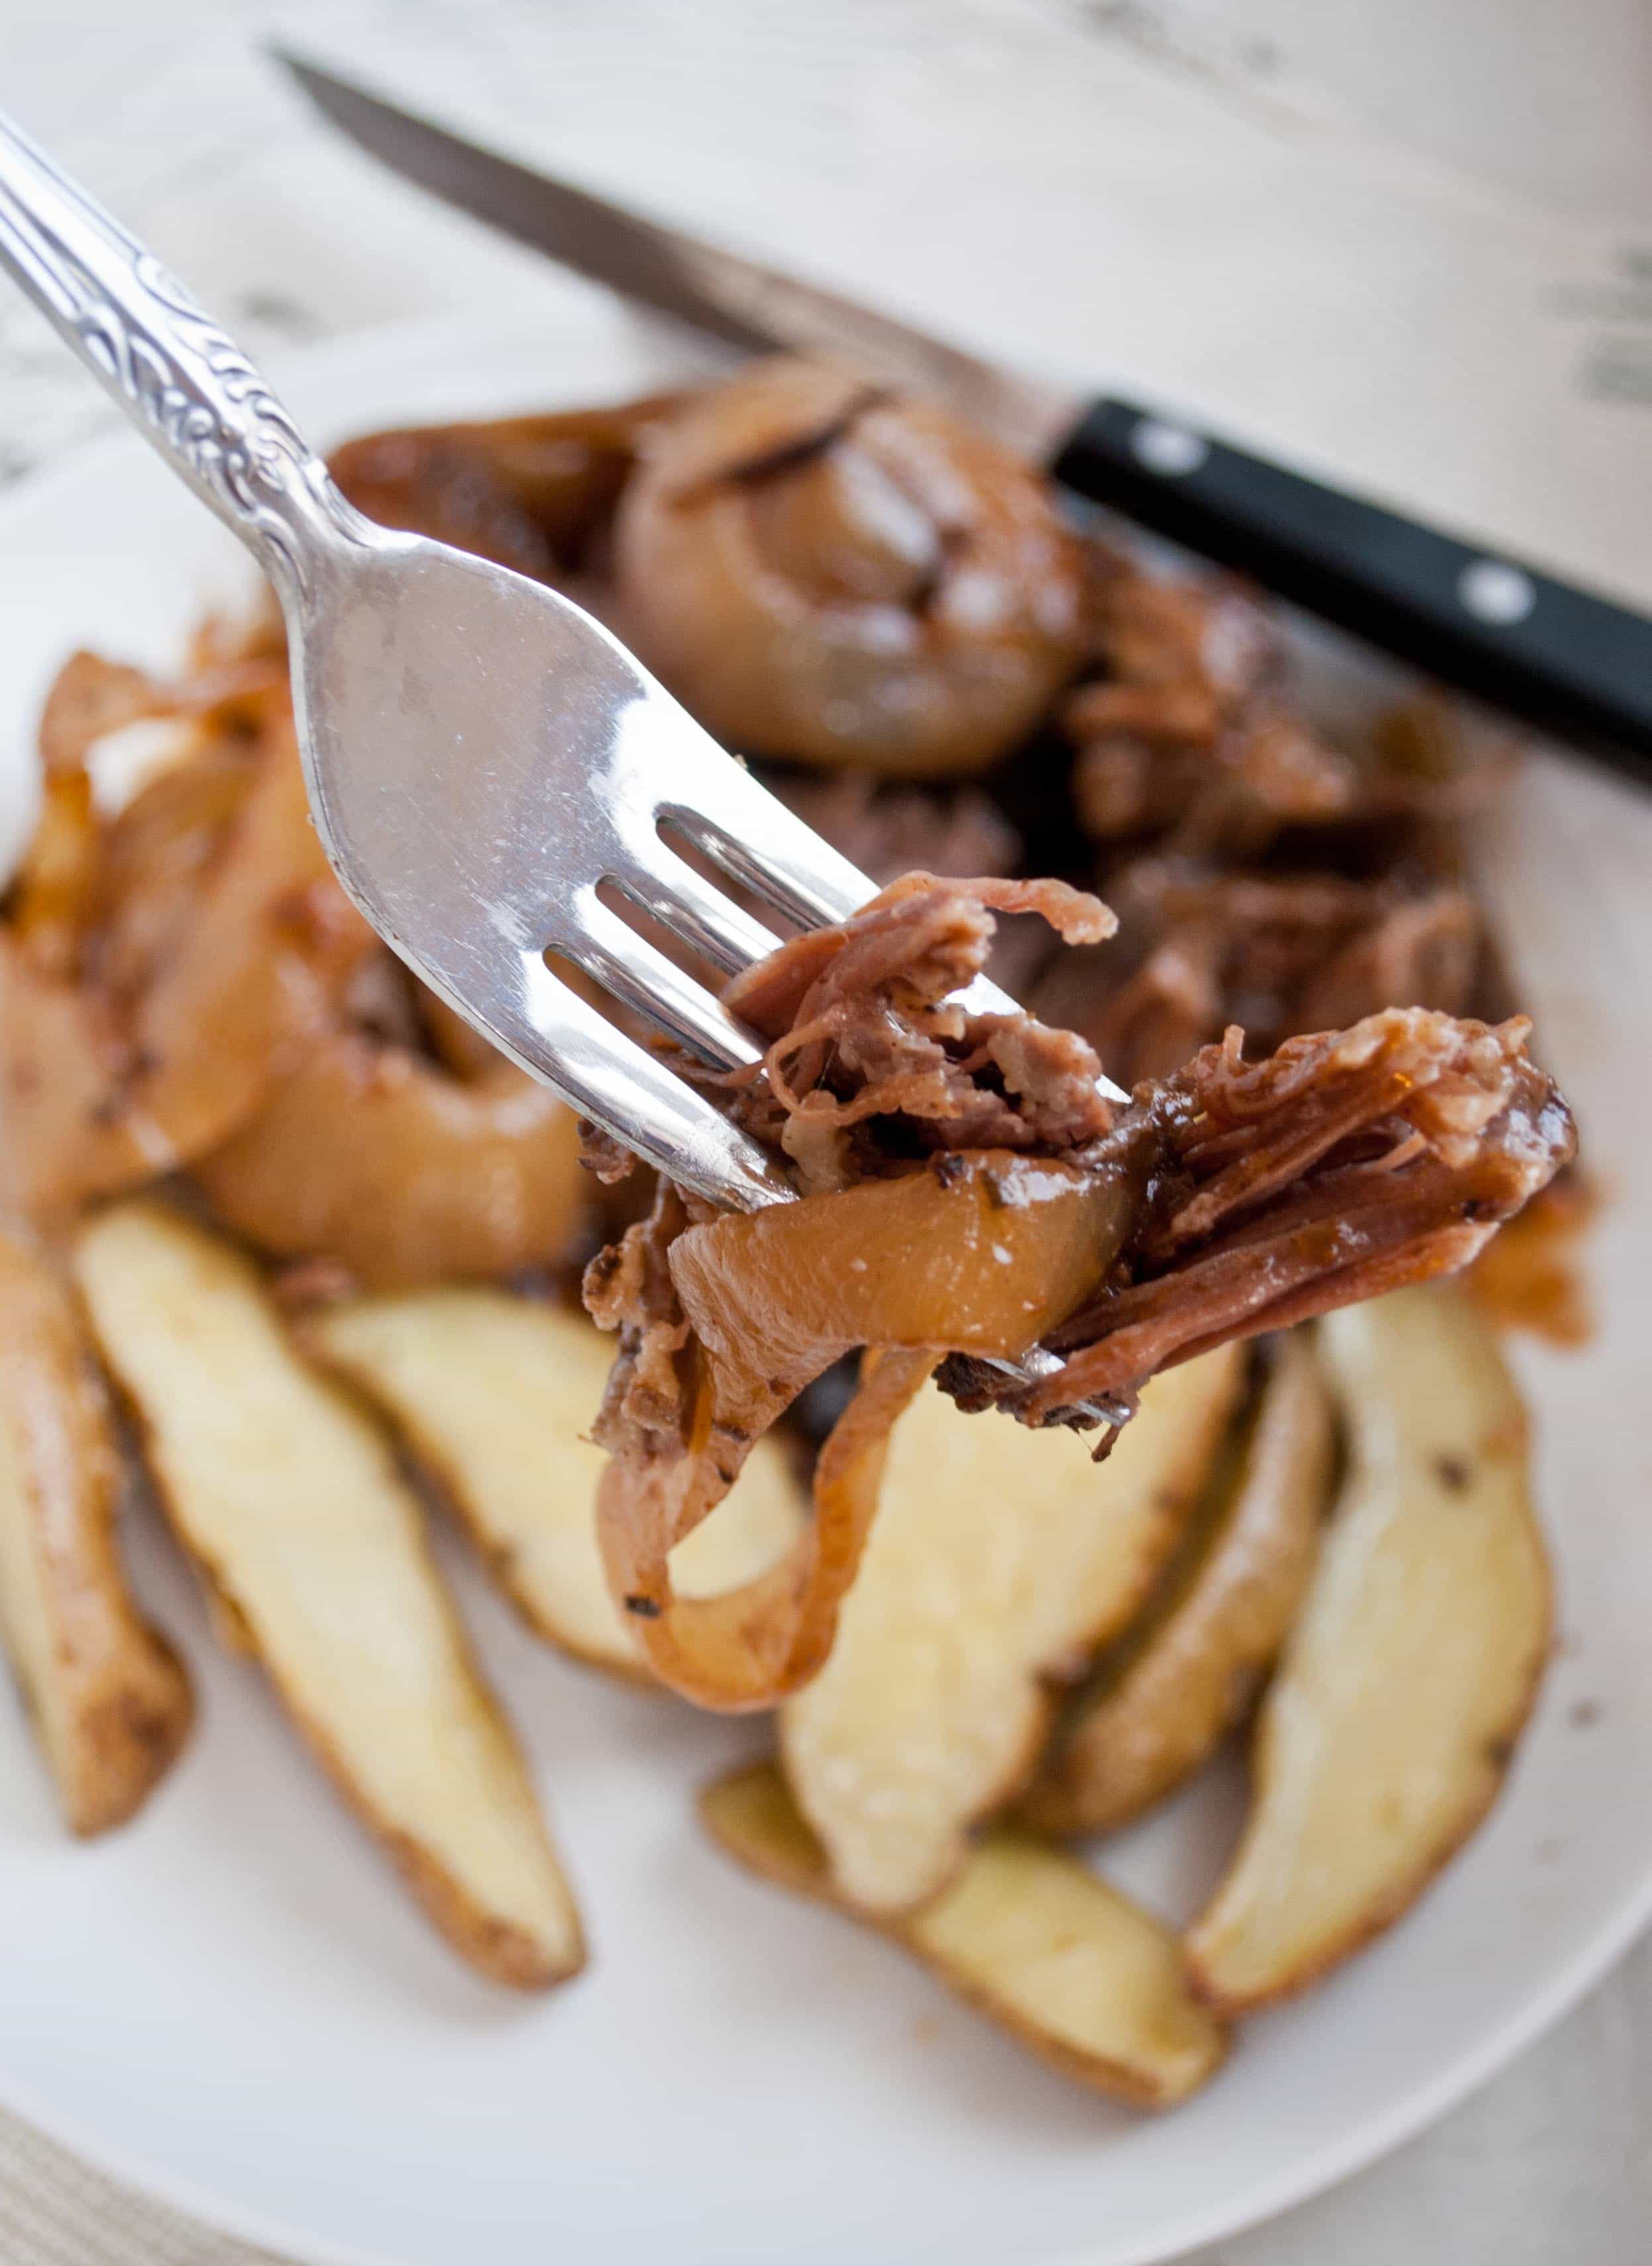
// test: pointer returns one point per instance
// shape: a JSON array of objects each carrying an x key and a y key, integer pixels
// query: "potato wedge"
[
  {"x": 1171, "y": 1688},
  {"x": 1405, "y": 1684},
  {"x": 289, "y": 1500},
  {"x": 1068, "y": 1965},
  {"x": 494, "y": 1395},
  {"x": 109, "y": 1697},
  {"x": 998, "y": 1560}
]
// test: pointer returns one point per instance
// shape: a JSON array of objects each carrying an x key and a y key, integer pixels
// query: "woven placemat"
[{"x": 54, "y": 2210}]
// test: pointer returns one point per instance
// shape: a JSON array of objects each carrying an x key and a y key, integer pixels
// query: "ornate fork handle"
[{"x": 178, "y": 376}]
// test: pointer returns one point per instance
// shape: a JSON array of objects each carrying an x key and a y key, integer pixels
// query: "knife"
[{"x": 1562, "y": 658}]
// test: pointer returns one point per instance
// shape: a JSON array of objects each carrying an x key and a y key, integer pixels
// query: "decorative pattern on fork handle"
[
  {"x": 230, "y": 429},
  {"x": 200, "y": 397}
]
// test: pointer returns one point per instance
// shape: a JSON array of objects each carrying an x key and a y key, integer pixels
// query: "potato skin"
[
  {"x": 1390, "y": 1727},
  {"x": 1005, "y": 1937},
  {"x": 496, "y": 1948},
  {"x": 110, "y": 1698},
  {"x": 287, "y": 1497},
  {"x": 1180, "y": 1683}
]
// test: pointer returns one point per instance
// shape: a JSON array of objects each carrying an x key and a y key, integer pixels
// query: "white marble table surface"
[{"x": 795, "y": 124}]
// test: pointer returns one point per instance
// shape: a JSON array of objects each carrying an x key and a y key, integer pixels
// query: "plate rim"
[{"x": 1246, "y": 2205}]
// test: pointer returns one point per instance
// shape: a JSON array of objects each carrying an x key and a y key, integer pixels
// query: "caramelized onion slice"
[
  {"x": 60, "y": 1060},
  {"x": 154, "y": 856},
  {"x": 107, "y": 1082},
  {"x": 726, "y": 1321},
  {"x": 531, "y": 492},
  {"x": 407, "y": 1175},
  {"x": 272, "y": 939},
  {"x": 54, "y": 885}
]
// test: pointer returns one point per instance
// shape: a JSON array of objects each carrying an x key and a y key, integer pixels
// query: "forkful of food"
[
  {"x": 861, "y": 1142},
  {"x": 488, "y": 767}
]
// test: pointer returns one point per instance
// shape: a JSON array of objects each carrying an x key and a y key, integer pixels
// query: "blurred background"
[
  {"x": 1256, "y": 208},
  {"x": 1408, "y": 244}
]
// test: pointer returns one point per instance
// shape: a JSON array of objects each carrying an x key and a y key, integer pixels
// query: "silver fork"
[{"x": 484, "y": 760}]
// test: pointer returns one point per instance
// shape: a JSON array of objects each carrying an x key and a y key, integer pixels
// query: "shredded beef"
[
  {"x": 1346, "y": 1163},
  {"x": 1185, "y": 733},
  {"x": 606, "y": 1159},
  {"x": 1192, "y": 735},
  {"x": 1200, "y": 949},
  {"x": 874, "y": 1061},
  {"x": 628, "y": 1289}
]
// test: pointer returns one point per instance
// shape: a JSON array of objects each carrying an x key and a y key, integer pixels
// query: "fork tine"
[
  {"x": 639, "y": 976},
  {"x": 668, "y": 887},
  {"x": 750, "y": 833},
  {"x": 553, "y": 1034}
]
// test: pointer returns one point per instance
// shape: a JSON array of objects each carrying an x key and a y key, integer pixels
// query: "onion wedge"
[
  {"x": 1389, "y": 1729},
  {"x": 494, "y": 1395},
  {"x": 109, "y": 1699},
  {"x": 1066, "y": 1965},
  {"x": 999, "y": 1558},
  {"x": 289, "y": 1501},
  {"x": 980, "y": 1253},
  {"x": 100, "y": 1094},
  {"x": 1173, "y": 1686},
  {"x": 406, "y": 1175}
]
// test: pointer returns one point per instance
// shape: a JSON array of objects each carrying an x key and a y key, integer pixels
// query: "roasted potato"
[
  {"x": 1405, "y": 1684},
  {"x": 1170, "y": 1689},
  {"x": 289, "y": 1501},
  {"x": 999, "y": 1558},
  {"x": 1068, "y": 1965},
  {"x": 495, "y": 1395},
  {"x": 109, "y": 1699}
]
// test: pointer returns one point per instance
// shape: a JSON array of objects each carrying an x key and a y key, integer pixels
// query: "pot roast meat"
[
  {"x": 1379, "y": 1153},
  {"x": 1191, "y": 734},
  {"x": 1199, "y": 949},
  {"x": 871, "y": 1057},
  {"x": 1187, "y": 734},
  {"x": 1347, "y": 1164},
  {"x": 965, "y": 1193}
]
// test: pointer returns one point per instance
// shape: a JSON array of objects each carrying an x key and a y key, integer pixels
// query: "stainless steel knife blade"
[{"x": 713, "y": 290}]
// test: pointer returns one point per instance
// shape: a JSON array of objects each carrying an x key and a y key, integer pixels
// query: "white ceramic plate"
[{"x": 233, "y": 2004}]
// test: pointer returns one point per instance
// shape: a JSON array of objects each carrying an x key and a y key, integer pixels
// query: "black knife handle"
[{"x": 1558, "y": 657}]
